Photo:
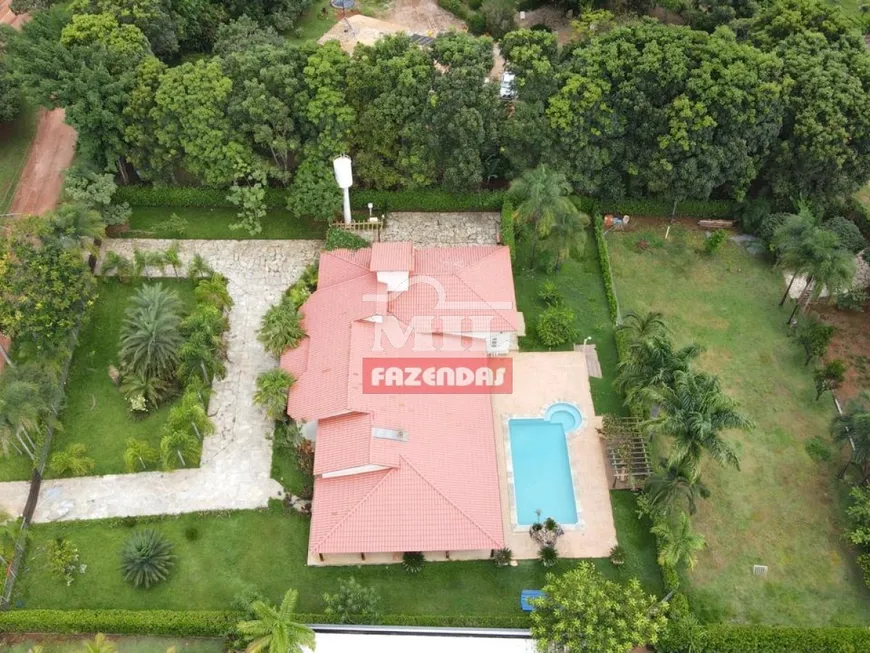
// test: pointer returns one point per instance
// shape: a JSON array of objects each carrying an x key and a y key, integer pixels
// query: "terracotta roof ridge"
[
  {"x": 495, "y": 250},
  {"x": 498, "y": 311},
  {"x": 344, "y": 517},
  {"x": 451, "y": 502}
]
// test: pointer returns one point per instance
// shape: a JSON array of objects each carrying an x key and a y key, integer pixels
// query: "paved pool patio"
[{"x": 539, "y": 380}]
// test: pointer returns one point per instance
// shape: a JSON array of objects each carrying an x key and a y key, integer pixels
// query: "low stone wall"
[{"x": 443, "y": 229}]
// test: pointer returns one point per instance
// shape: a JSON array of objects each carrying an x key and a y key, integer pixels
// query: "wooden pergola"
[{"x": 626, "y": 451}]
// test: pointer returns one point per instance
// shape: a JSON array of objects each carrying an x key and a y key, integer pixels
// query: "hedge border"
[
  {"x": 732, "y": 638},
  {"x": 205, "y": 623},
  {"x": 606, "y": 274}
]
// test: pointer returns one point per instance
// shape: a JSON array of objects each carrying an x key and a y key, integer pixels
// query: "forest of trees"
[{"x": 762, "y": 99}]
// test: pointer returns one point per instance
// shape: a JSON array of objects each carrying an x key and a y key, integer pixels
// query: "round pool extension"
[{"x": 568, "y": 415}]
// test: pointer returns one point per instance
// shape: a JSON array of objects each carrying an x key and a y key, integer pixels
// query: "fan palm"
[
  {"x": 150, "y": 334},
  {"x": 213, "y": 290},
  {"x": 853, "y": 427},
  {"x": 567, "y": 234},
  {"x": 678, "y": 542},
  {"x": 139, "y": 454},
  {"x": 271, "y": 394},
  {"x": 72, "y": 461},
  {"x": 694, "y": 412},
  {"x": 281, "y": 328},
  {"x": 673, "y": 483},
  {"x": 651, "y": 362},
  {"x": 177, "y": 448},
  {"x": 274, "y": 630},
  {"x": 642, "y": 327},
  {"x": 542, "y": 197}
]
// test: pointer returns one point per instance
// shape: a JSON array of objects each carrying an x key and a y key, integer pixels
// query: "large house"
[{"x": 402, "y": 472}]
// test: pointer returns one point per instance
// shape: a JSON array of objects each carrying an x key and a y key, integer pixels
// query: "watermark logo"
[{"x": 437, "y": 375}]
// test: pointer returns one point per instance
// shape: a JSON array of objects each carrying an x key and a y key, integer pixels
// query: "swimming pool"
[
  {"x": 568, "y": 415},
  {"x": 542, "y": 471}
]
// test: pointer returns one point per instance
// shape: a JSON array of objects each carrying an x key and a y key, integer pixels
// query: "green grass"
[
  {"x": 782, "y": 508},
  {"x": 214, "y": 224},
  {"x": 580, "y": 283},
  {"x": 15, "y": 138},
  {"x": 73, "y": 644},
  {"x": 95, "y": 412},
  {"x": 311, "y": 25},
  {"x": 267, "y": 549}
]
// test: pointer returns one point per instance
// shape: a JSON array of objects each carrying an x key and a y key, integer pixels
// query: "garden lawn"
[
  {"x": 781, "y": 508},
  {"x": 582, "y": 288},
  {"x": 96, "y": 414},
  {"x": 61, "y": 644},
  {"x": 219, "y": 555},
  {"x": 15, "y": 138},
  {"x": 214, "y": 224}
]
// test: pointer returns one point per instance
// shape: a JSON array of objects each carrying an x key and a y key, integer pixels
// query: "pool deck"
[{"x": 541, "y": 379}]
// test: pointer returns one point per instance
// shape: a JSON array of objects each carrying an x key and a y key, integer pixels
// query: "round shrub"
[
  {"x": 548, "y": 555},
  {"x": 191, "y": 533},
  {"x": 848, "y": 233},
  {"x": 476, "y": 23},
  {"x": 146, "y": 558},
  {"x": 503, "y": 557},
  {"x": 769, "y": 224},
  {"x": 556, "y": 326},
  {"x": 413, "y": 561}
]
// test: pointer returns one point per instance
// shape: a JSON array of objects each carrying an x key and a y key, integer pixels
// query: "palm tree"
[
  {"x": 213, "y": 290},
  {"x": 790, "y": 241},
  {"x": 678, "y": 543},
  {"x": 201, "y": 356},
  {"x": 71, "y": 223},
  {"x": 150, "y": 334},
  {"x": 274, "y": 631},
  {"x": 673, "y": 483},
  {"x": 100, "y": 644},
  {"x": 281, "y": 328},
  {"x": 642, "y": 327},
  {"x": 853, "y": 427},
  {"x": 139, "y": 454},
  {"x": 208, "y": 319},
  {"x": 829, "y": 266},
  {"x": 272, "y": 389},
  {"x": 151, "y": 388},
  {"x": 28, "y": 395},
  {"x": 694, "y": 412},
  {"x": 198, "y": 268},
  {"x": 650, "y": 363},
  {"x": 178, "y": 447},
  {"x": 567, "y": 234},
  {"x": 173, "y": 257},
  {"x": 189, "y": 415},
  {"x": 72, "y": 461},
  {"x": 542, "y": 197}
]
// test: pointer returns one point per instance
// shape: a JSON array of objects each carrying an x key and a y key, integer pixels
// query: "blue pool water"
[
  {"x": 565, "y": 414},
  {"x": 542, "y": 471}
]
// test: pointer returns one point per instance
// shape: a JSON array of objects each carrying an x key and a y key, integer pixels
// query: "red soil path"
[{"x": 50, "y": 153}]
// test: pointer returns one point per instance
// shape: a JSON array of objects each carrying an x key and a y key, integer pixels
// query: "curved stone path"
[{"x": 235, "y": 470}]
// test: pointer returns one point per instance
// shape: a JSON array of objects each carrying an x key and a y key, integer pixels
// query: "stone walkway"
[
  {"x": 436, "y": 229},
  {"x": 235, "y": 470}
]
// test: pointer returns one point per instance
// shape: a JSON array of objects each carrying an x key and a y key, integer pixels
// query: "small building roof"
[{"x": 392, "y": 257}]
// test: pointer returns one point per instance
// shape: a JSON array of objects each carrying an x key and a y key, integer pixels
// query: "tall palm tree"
[
  {"x": 150, "y": 334},
  {"x": 201, "y": 356},
  {"x": 72, "y": 461},
  {"x": 190, "y": 415},
  {"x": 567, "y": 234},
  {"x": 650, "y": 363},
  {"x": 673, "y": 483},
  {"x": 281, "y": 328},
  {"x": 27, "y": 394},
  {"x": 853, "y": 427},
  {"x": 641, "y": 327},
  {"x": 694, "y": 412},
  {"x": 791, "y": 241},
  {"x": 274, "y": 630},
  {"x": 542, "y": 195},
  {"x": 829, "y": 266},
  {"x": 271, "y": 394},
  {"x": 678, "y": 542}
]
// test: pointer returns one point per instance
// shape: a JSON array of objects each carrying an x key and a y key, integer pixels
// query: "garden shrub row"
[
  {"x": 205, "y": 623},
  {"x": 700, "y": 209},
  {"x": 604, "y": 261},
  {"x": 728, "y": 638},
  {"x": 508, "y": 229}
]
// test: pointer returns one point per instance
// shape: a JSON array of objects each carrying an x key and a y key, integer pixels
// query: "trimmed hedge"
[
  {"x": 604, "y": 261},
  {"x": 508, "y": 230},
  {"x": 727, "y": 638},
  {"x": 203, "y": 623},
  {"x": 701, "y": 209}
]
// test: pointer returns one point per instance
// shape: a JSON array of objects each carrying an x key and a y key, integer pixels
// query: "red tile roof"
[
  {"x": 436, "y": 488},
  {"x": 392, "y": 256}
]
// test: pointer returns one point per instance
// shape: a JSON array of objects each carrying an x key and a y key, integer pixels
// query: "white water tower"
[{"x": 344, "y": 179}]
